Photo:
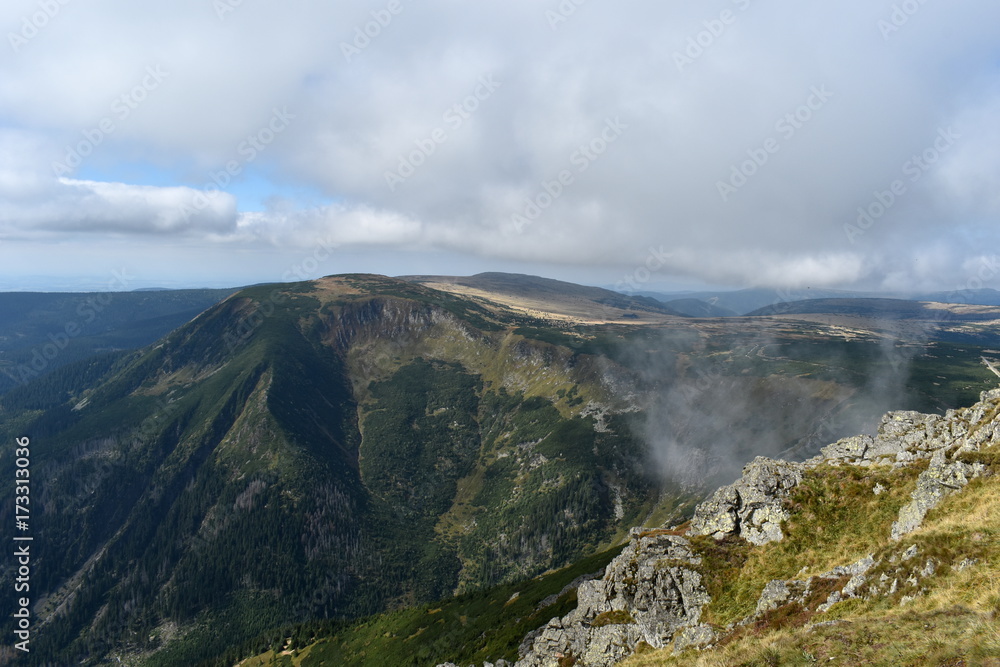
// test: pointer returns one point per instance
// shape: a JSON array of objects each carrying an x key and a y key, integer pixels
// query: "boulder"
[{"x": 753, "y": 506}]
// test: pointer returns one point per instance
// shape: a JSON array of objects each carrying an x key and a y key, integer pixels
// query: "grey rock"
[
  {"x": 752, "y": 507},
  {"x": 775, "y": 594},
  {"x": 849, "y": 449},
  {"x": 857, "y": 572},
  {"x": 854, "y": 569},
  {"x": 653, "y": 580},
  {"x": 694, "y": 637},
  {"x": 966, "y": 564},
  {"x": 940, "y": 479},
  {"x": 575, "y": 584},
  {"x": 833, "y": 599},
  {"x": 853, "y": 585}
]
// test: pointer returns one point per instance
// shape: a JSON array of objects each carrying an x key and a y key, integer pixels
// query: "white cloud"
[{"x": 657, "y": 184}]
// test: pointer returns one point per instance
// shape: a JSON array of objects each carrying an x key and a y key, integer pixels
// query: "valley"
[{"x": 306, "y": 455}]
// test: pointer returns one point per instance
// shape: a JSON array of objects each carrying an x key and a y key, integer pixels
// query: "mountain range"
[{"x": 326, "y": 451}]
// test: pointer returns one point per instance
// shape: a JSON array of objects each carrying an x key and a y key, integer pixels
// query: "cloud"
[
  {"x": 708, "y": 94},
  {"x": 333, "y": 224}
]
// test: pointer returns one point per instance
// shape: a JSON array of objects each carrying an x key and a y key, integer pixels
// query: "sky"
[{"x": 643, "y": 145}]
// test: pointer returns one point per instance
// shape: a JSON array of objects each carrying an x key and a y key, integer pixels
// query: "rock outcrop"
[
  {"x": 653, "y": 592},
  {"x": 752, "y": 507},
  {"x": 647, "y": 593},
  {"x": 942, "y": 477}
]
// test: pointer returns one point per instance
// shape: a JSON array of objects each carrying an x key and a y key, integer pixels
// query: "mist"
[{"x": 722, "y": 392}]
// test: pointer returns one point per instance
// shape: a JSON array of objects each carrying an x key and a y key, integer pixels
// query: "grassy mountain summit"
[{"x": 555, "y": 299}]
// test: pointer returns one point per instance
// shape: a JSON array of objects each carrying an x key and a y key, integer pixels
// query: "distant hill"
[
  {"x": 544, "y": 297},
  {"x": 749, "y": 301},
  {"x": 746, "y": 301},
  {"x": 883, "y": 309},
  {"x": 699, "y": 308},
  {"x": 42, "y": 331},
  {"x": 977, "y": 297}
]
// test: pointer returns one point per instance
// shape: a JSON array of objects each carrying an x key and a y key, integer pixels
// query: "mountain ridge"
[
  {"x": 262, "y": 463},
  {"x": 361, "y": 444}
]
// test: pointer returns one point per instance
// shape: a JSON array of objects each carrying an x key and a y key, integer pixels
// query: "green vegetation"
[
  {"x": 472, "y": 628},
  {"x": 835, "y": 518},
  {"x": 940, "y": 594},
  {"x": 229, "y": 478},
  {"x": 616, "y": 617},
  {"x": 365, "y": 447},
  {"x": 943, "y": 637}
]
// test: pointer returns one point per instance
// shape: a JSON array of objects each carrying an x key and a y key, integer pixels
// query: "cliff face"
[{"x": 863, "y": 497}]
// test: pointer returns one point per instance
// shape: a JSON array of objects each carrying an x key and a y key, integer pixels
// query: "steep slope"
[
  {"x": 881, "y": 550},
  {"x": 333, "y": 448},
  {"x": 784, "y": 562}
]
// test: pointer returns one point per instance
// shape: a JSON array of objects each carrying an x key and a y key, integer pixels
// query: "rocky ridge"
[{"x": 652, "y": 594}]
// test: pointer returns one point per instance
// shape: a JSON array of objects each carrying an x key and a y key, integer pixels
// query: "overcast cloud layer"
[{"x": 728, "y": 143}]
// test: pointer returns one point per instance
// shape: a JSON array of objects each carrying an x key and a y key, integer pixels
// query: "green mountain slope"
[
  {"x": 882, "y": 550},
  {"x": 361, "y": 444},
  {"x": 324, "y": 449}
]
